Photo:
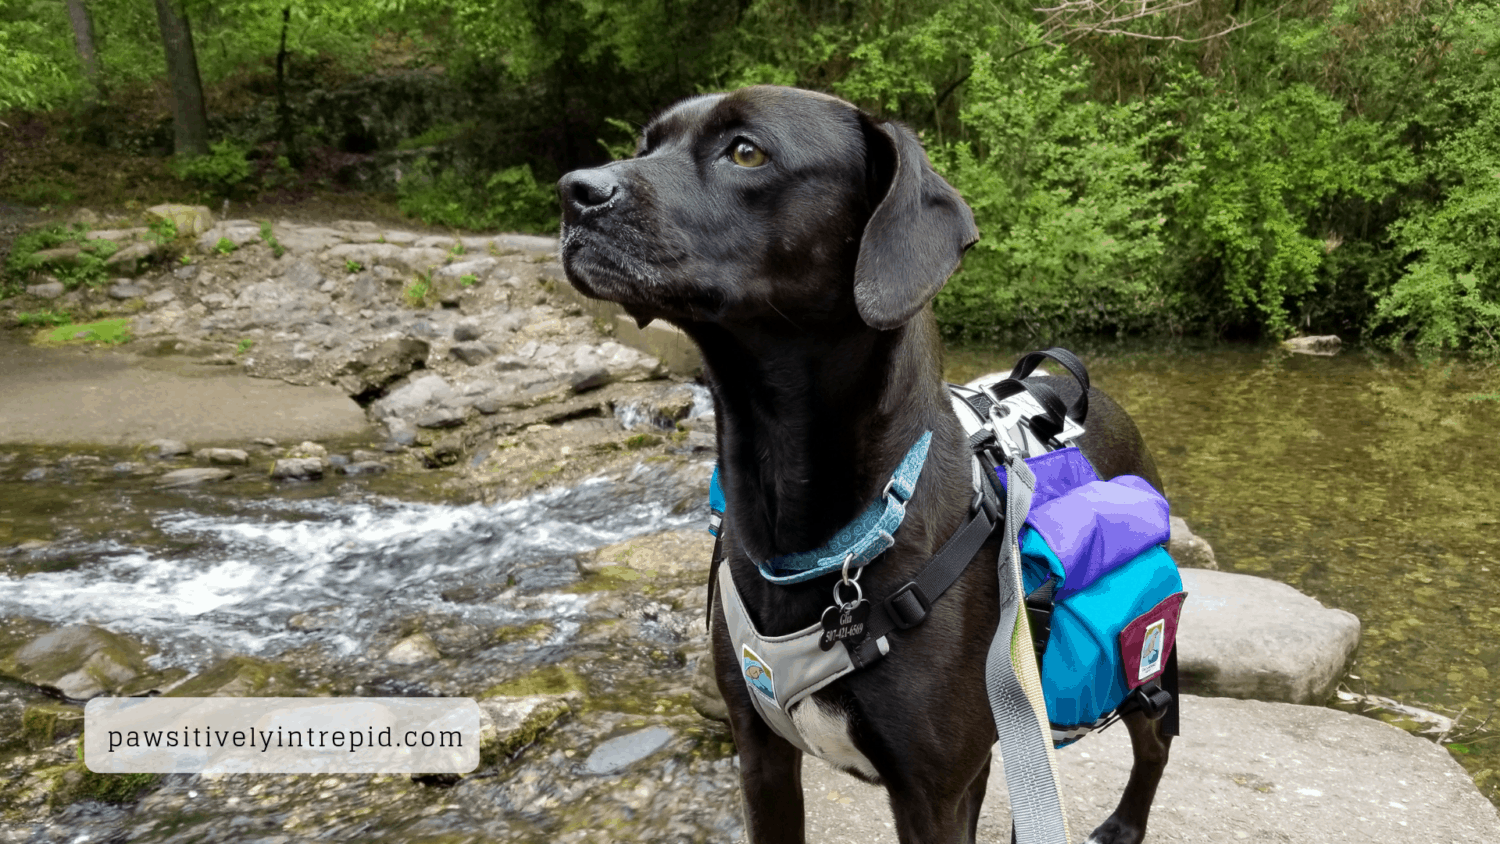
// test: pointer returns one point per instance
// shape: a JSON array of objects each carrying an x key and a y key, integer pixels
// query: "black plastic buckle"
[
  {"x": 907, "y": 606},
  {"x": 1151, "y": 699}
]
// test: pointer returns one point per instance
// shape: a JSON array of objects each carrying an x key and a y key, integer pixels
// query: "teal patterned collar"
[{"x": 863, "y": 539}]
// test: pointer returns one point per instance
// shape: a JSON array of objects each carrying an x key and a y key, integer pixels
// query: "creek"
[{"x": 1364, "y": 480}]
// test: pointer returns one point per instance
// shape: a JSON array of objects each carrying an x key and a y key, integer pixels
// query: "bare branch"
[{"x": 1072, "y": 20}]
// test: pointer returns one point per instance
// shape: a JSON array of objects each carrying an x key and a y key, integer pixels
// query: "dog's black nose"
[{"x": 585, "y": 190}]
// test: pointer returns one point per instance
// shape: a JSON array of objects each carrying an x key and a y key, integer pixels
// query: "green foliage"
[
  {"x": 162, "y": 232},
  {"x": 352, "y": 266},
  {"x": 85, "y": 267},
  {"x": 225, "y": 246},
  {"x": 221, "y": 172},
  {"x": 267, "y": 235},
  {"x": 106, "y": 332},
  {"x": 1448, "y": 296},
  {"x": 417, "y": 290},
  {"x": 1062, "y": 189},
  {"x": 468, "y": 280},
  {"x": 40, "y": 318},
  {"x": 510, "y": 200},
  {"x": 38, "y": 65},
  {"x": 245, "y": 345}
]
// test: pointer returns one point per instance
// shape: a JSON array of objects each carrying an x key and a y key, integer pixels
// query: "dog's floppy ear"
[{"x": 916, "y": 235}]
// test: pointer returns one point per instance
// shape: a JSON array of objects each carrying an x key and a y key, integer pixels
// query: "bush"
[
  {"x": 1069, "y": 209},
  {"x": 511, "y": 200},
  {"x": 225, "y": 169}
]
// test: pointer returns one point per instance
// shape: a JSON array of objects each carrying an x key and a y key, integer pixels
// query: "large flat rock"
[
  {"x": 1242, "y": 771},
  {"x": 1258, "y": 639},
  {"x": 67, "y": 396}
]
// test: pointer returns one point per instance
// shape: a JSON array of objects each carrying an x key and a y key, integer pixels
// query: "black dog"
[{"x": 798, "y": 241}]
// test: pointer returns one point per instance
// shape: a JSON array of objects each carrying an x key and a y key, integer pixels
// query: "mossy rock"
[
  {"x": 76, "y": 782},
  {"x": 510, "y": 724},
  {"x": 43, "y": 724},
  {"x": 242, "y": 676},
  {"x": 79, "y": 662}
]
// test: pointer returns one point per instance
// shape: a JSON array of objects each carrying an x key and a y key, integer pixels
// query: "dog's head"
[{"x": 766, "y": 204}]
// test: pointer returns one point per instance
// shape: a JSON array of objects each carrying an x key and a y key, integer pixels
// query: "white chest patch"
[{"x": 826, "y": 731}]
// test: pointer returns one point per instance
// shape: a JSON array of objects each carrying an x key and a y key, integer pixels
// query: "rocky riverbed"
[{"x": 463, "y": 483}]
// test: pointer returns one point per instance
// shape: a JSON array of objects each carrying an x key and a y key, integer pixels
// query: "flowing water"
[{"x": 1365, "y": 480}]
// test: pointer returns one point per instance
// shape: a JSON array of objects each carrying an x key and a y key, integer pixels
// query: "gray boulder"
[
  {"x": 1249, "y": 637},
  {"x": 412, "y": 397},
  {"x": 1190, "y": 550},
  {"x": 79, "y": 661},
  {"x": 192, "y": 477},
  {"x": 46, "y": 290},
  {"x": 376, "y": 367},
  {"x": 223, "y": 456},
  {"x": 1242, "y": 771},
  {"x": 297, "y": 469},
  {"x": 1327, "y": 344},
  {"x": 191, "y": 220}
]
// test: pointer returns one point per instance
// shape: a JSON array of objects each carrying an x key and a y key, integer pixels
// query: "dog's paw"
[{"x": 1113, "y": 831}]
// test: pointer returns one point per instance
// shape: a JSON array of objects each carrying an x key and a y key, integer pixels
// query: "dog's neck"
[{"x": 811, "y": 427}]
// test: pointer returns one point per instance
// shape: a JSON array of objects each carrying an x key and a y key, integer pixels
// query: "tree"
[
  {"x": 189, "y": 119},
  {"x": 88, "y": 51}
]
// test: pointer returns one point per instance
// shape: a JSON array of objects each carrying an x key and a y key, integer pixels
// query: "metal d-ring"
[{"x": 845, "y": 579}]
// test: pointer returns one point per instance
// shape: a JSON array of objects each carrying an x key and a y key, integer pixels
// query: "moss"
[
  {"x": 522, "y": 632},
  {"x": 43, "y": 724},
  {"x": 640, "y": 441},
  {"x": 241, "y": 676},
  {"x": 547, "y": 680},
  {"x": 108, "y": 332},
  {"x": 538, "y": 722}
]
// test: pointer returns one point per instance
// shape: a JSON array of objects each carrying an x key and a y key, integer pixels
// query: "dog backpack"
[{"x": 1102, "y": 593}]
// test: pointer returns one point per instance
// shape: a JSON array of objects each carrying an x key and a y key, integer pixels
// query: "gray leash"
[{"x": 1015, "y": 687}]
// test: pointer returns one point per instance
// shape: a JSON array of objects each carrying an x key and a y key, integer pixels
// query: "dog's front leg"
[
  {"x": 770, "y": 780},
  {"x": 1128, "y": 823}
]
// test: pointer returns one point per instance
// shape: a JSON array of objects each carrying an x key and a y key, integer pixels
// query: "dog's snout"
[{"x": 585, "y": 190}]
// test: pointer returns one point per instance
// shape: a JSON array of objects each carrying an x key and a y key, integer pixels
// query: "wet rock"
[
  {"x": 619, "y": 753},
  {"x": 366, "y": 467},
  {"x": 1249, "y": 637},
  {"x": 297, "y": 468},
  {"x": 413, "y": 650},
  {"x": 1190, "y": 550},
  {"x": 378, "y": 366},
  {"x": 360, "y": 455},
  {"x": 164, "y": 449},
  {"x": 161, "y": 297},
  {"x": 705, "y": 697},
  {"x": 307, "y": 448},
  {"x": 509, "y": 724},
  {"x": 1327, "y": 344},
  {"x": 701, "y": 441},
  {"x": 465, "y": 332},
  {"x": 400, "y": 434},
  {"x": 581, "y": 381},
  {"x": 79, "y": 662},
  {"x": 223, "y": 456},
  {"x": 44, "y": 724},
  {"x": 472, "y": 354},
  {"x": 675, "y": 553},
  {"x": 236, "y": 232},
  {"x": 37, "y": 474},
  {"x": 240, "y": 676},
  {"x": 192, "y": 477},
  {"x": 46, "y": 290},
  {"x": 191, "y": 220}
]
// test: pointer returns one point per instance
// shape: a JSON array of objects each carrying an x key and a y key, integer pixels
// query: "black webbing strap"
[
  {"x": 1050, "y": 423},
  {"x": 1024, "y": 367},
  {"x": 908, "y": 606},
  {"x": 713, "y": 578}
]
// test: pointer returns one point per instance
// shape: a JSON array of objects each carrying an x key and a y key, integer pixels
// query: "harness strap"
[
  {"x": 908, "y": 606},
  {"x": 1015, "y": 688}
]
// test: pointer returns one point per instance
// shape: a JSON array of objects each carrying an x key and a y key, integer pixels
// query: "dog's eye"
[{"x": 747, "y": 154}]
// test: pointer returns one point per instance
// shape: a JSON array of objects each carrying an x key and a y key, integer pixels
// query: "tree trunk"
[
  {"x": 189, "y": 120},
  {"x": 88, "y": 52},
  {"x": 283, "y": 108}
]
